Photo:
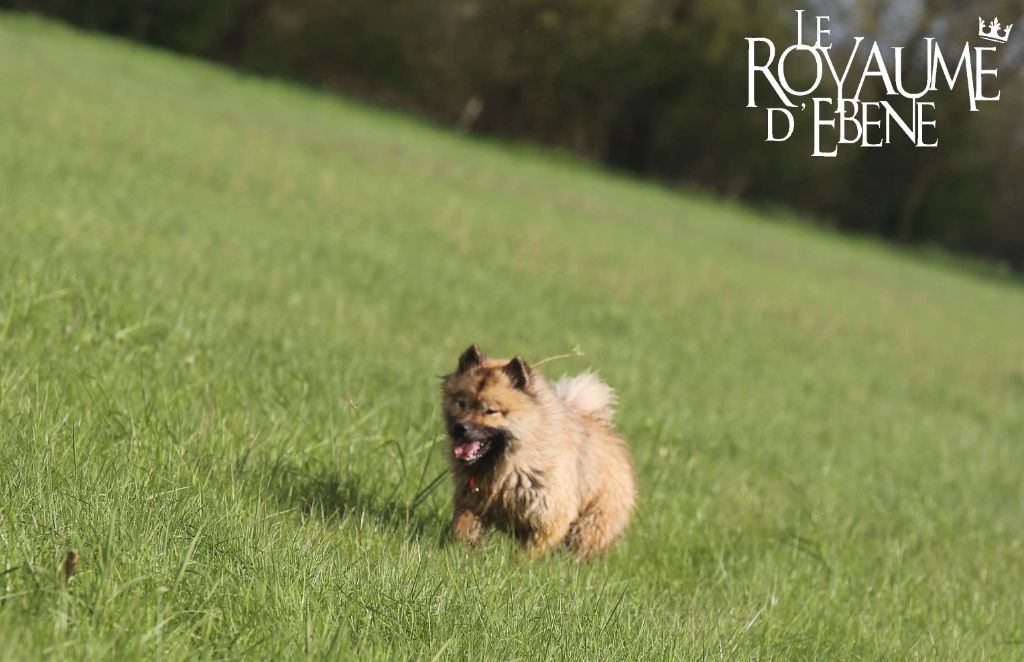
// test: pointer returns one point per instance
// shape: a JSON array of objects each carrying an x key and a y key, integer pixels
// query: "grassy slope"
[{"x": 223, "y": 307}]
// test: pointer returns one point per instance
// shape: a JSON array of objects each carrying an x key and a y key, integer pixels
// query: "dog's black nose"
[{"x": 458, "y": 428}]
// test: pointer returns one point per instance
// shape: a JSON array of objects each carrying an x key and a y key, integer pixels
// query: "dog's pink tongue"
[{"x": 467, "y": 450}]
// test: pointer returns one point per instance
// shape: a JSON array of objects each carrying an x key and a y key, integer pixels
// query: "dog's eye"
[
  {"x": 490, "y": 412},
  {"x": 460, "y": 403}
]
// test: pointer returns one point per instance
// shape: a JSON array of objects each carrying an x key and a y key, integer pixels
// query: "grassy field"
[{"x": 224, "y": 307}]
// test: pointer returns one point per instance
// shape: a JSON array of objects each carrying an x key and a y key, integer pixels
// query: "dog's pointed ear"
[
  {"x": 471, "y": 357},
  {"x": 519, "y": 373}
]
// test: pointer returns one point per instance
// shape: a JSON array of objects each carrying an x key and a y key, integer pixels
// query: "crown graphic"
[{"x": 993, "y": 33}]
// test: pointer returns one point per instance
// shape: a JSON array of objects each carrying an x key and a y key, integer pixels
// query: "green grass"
[{"x": 224, "y": 305}]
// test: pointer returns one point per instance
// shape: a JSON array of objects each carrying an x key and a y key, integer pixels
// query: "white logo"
[
  {"x": 903, "y": 114},
  {"x": 992, "y": 33}
]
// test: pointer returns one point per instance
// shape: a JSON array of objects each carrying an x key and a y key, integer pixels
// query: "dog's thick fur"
[{"x": 540, "y": 461}]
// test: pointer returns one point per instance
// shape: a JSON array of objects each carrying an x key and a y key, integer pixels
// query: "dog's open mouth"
[{"x": 470, "y": 450}]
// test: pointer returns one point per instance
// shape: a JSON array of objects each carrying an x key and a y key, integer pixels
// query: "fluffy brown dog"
[{"x": 536, "y": 459}]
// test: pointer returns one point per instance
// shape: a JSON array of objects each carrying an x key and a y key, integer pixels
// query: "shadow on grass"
[{"x": 328, "y": 494}]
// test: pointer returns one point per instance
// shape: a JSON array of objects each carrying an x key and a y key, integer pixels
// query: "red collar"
[{"x": 471, "y": 483}]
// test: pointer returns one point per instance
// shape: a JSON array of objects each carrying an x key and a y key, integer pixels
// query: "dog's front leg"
[
  {"x": 548, "y": 529},
  {"x": 468, "y": 527},
  {"x": 541, "y": 540}
]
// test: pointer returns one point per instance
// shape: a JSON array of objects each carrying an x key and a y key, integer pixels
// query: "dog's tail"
[{"x": 588, "y": 395}]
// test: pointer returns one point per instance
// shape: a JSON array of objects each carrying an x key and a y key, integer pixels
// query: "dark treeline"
[{"x": 655, "y": 87}]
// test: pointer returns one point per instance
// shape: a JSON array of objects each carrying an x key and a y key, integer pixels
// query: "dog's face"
[{"x": 482, "y": 401}]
